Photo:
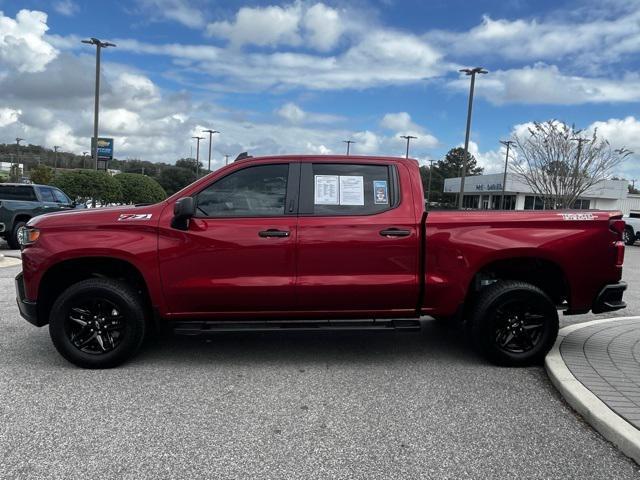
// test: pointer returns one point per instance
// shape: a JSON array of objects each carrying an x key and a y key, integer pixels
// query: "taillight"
[
  {"x": 617, "y": 225},
  {"x": 619, "y": 253}
]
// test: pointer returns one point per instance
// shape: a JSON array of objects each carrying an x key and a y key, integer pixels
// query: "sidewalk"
[{"x": 596, "y": 367}]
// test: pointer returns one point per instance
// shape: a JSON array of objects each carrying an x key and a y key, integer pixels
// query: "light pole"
[
  {"x": 55, "y": 153},
  {"x": 226, "y": 159},
  {"x": 99, "y": 46},
  {"x": 472, "y": 72},
  {"x": 348, "y": 142},
  {"x": 198, "y": 155},
  {"x": 429, "y": 184},
  {"x": 506, "y": 143},
  {"x": 210, "y": 132},
  {"x": 84, "y": 159},
  {"x": 408, "y": 138}
]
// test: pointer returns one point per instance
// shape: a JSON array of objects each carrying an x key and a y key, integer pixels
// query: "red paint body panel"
[{"x": 328, "y": 267}]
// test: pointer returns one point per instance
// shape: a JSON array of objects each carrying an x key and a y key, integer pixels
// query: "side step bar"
[{"x": 200, "y": 327}]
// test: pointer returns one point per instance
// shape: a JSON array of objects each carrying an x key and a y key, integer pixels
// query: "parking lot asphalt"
[{"x": 357, "y": 405}]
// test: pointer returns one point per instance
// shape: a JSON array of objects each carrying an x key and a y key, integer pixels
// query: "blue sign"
[{"x": 105, "y": 148}]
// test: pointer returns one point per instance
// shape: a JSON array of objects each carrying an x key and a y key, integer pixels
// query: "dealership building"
[{"x": 484, "y": 192}]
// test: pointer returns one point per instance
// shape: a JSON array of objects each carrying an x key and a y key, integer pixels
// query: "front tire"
[
  {"x": 98, "y": 323},
  {"x": 12, "y": 238},
  {"x": 514, "y": 324},
  {"x": 629, "y": 236}
]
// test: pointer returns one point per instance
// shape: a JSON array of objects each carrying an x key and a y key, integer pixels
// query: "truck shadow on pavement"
[{"x": 435, "y": 342}]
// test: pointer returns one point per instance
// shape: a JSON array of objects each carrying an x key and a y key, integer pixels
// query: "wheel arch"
[{"x": 65, "y": 273}]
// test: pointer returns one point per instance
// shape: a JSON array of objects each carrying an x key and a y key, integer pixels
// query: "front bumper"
[
  {"x": 28, "y": 309},
  {"x": 610, "y": 298}
]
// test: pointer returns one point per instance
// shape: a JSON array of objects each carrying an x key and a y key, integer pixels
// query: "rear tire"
[
  {"x": 629, "y": 236},
  {"x": 514, "y": 324},
  {"x": 98, "y": 323},
  {"x": 12, "y": 238}
]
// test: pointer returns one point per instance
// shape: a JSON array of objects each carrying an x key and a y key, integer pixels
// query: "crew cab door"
[
  {"x": 357, "y": 239},
  {"x": 238, "y": 254},
  {"x": 53, "y": 200}
]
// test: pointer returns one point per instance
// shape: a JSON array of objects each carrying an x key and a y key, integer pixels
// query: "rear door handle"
[
  {"x": 395, "y": 232},
  {"x": 273, "y": 232}
]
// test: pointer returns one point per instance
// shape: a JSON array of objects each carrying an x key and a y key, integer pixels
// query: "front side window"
[
  {"x": 258, "y": 191},
  {"x": 347, "y": 189},
  {"x": 60, "y": 197}
]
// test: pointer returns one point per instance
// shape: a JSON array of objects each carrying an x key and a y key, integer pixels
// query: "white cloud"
[
  {"x": 291, "y": 112},
  {"x": 261, "y": 26},
  {"x": 622, "y": 133},
  {"x": 324, "y": 26},
  {"x": 22, "y": 45},
  {"x": 545, "y": 84},
  {"x": 180, "y": 11},
  {"x": 492, "y": 161},
  {"x": 602, "y": 39},
  {"x": 67, "y": 8},
  {"x": 402, "y": 124},
  {"x": 8, "y": 116}
]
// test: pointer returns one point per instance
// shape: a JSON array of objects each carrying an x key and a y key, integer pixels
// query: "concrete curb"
[{"x": 611, "y": 426}]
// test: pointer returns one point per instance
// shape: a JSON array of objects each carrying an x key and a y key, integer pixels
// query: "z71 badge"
[
  {"x": 126, "y": 217},
  {"x": 578, "y": 216}
]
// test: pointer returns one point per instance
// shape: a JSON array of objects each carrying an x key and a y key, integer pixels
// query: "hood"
[{"x": 147, "y": 214}]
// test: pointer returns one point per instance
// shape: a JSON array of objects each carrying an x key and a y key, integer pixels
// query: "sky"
[{"x": 302, "y": 76}]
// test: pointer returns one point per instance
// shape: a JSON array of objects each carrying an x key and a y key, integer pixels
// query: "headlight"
[{"x": 28, "y": 236}]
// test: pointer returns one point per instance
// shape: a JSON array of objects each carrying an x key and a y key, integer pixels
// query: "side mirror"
[{"x": 183, "y": 210}]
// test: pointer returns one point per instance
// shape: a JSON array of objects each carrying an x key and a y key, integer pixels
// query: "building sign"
[
  {"x": 488, "y": 187},
  {"x": 105, "y": 151}
]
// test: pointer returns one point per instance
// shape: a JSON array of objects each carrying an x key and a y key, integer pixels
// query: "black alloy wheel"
[{"x": 96, "y": 326}]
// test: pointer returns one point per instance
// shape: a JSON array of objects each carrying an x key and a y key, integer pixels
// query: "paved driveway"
[{"x": 410, "y": 405}]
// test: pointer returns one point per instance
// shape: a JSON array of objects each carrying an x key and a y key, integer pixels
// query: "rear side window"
[
  {"x": 47, "y": 194},
  {"x": 17, "y": 192},
  {"x": 258, "y": 191},
  {"x": 347, "y": 189}
]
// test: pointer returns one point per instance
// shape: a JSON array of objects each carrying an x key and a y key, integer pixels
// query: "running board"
[{"x": 199, "y": 327}]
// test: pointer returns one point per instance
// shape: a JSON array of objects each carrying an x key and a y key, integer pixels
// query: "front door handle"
[
  {"x": 395, "y": 232},
  {"x": 273, "y": 232}
]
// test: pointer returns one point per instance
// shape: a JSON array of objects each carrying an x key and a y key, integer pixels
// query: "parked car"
[
  {"x": 19, "y": 203},
  {"x": 632, "y": 228},
  {"x": 313, "y": 243}
]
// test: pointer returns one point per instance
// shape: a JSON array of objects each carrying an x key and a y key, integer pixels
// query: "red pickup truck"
[{"x": 313, "y": 242}]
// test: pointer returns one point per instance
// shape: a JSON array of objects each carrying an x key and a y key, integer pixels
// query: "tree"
[
  {"x": 41, "y": 174},
  {"x": 449, "y": 167},
  {"x": 560, "y": 163},
  {"x": 88, "y": 184},
  {"x": 138, "y": 188},
  {"x": 173, "y": 179}
]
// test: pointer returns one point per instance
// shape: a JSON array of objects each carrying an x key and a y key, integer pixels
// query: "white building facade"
[{"x": 484, "y": 192}]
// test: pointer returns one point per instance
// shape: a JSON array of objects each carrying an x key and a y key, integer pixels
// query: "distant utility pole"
[
  {"x": 429, "y": 184},
  {"x": 198, "y": 156},
  {"x": 99, "y": 46},
  {"x": 84, "y": 159},
  {"x": 55, "y": 152},
  {"x": 18, "y": 140},
  {"x": 633, "y": 183},
  {"x": 471, "y": 72},
  {"x": 226, "y": 159},
  {"x": 210, "y": 132},
  {"x": 348, "y": 142},
  {"x": 408, "y": 138},
  {"x": 506, "y": 143}
]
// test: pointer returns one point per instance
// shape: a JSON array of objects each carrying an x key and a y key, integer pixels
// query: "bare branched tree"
[{"x": 560, "y": 163}]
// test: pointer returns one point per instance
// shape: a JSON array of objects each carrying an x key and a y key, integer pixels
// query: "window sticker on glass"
[
  {"x": 326, "y": 190},
  {"x": 380, "y": 192},
  {"x": 351, "y": 190}
]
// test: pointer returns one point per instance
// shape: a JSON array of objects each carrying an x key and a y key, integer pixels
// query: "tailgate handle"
[
  {"x": 395, "y": 232},
  {"x": 272, "y": 232}
]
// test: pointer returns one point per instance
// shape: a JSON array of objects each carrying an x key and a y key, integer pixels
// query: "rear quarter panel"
[{"x": 460, "y": 244}]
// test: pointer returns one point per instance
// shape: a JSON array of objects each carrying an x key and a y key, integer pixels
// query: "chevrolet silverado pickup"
[{"x": 313, "y": 243}]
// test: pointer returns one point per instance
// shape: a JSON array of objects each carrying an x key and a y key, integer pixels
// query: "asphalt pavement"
[{"x": 287, "y": 405}]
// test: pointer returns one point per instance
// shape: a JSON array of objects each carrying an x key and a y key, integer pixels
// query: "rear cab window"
[
  {"x": 330, "y": 189},
  {"x": 18, "y": 192}
]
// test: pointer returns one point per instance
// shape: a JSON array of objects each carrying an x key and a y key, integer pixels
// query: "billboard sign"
[{"x": 105, "y": 151}]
